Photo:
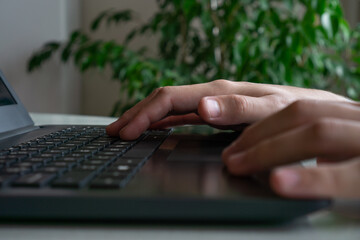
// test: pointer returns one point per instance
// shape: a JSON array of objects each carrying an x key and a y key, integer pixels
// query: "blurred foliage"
[{"x": 305, "y": 43}]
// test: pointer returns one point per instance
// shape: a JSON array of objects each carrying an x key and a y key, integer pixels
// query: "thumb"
[
  {"x": 335, "y": 180},
  {"x": 235, "y": 109}
]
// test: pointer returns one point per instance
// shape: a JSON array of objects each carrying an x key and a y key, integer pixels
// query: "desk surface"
[{"x": 341, "y": 222}]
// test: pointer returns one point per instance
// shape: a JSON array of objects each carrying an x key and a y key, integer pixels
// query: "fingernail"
[
  {"x": 212, "y": 107},
  {"x": 288, "y": 178}
]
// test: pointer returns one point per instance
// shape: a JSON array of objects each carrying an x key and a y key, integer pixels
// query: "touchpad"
[{"x": 200, "y": 150}]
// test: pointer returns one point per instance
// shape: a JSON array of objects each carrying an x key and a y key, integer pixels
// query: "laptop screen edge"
[{"x": 13, "y": 116}]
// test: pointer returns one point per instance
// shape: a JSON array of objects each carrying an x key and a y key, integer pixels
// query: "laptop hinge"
[{"x": 18, "y": 131}]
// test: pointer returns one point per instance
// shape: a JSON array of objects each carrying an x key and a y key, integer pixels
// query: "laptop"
[{"x": 79, "y": 173}]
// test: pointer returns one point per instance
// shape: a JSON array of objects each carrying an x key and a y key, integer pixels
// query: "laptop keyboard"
[{"x": 77, "y": 157}]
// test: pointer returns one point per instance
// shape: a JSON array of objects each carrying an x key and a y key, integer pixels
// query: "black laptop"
[{"x": 80, "y": 173}]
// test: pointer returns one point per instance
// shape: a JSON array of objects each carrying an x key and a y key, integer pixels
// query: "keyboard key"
[
  {"x": 109, "y": 183},
  {"x": 103, "y": 158},
  {"x": 96, "y": 162},
  {"x": 45, "y": 156},
  {"x": 39, "y": 159},
  {"x": 98, "y": 145},
  {"x": 75, "y": 179},
  {"x": 118, "y": 151},
  {"x": 55, "y": 153},
  {"x": 122, "y": 169},
  {"x": 34, "y": 150},
  {"x": 123, "y": 143},
  {"x": 15, "y": 157},
  {"x": 6, "y": 162},
  {"x": 129, "y": 161},
  {"x": 123, "y": 146},
  {"x": 52, "y": 169},
  {"x": 31, "y": 165},
  {"x": 16, "y": 170},
  {"x": 64, "y": 150},
  {"x": 5, "y": 179},
  {"x": 94, "y": 149},
  {"x": 84, "y": 153},
  {"x": 71, "y": 159},
  {"x": 34, "y": 179},
  {"x": 67, "y": 165},
  {"x": 87, "y": 168},
  {"x": 52, "y": 143},
  {"x": 115, "y": 174},
  {"x": 70, "y": 146},
  {"x": 112, "y": 155},
  {"x": 4, "y": 152},
  {"x": 14, "y": 148}
]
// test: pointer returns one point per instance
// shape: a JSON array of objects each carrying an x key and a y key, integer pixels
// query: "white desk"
[{"x": 333, "y": 224}]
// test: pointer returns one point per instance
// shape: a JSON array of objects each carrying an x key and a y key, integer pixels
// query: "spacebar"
[{"x": 145, "y": 148}]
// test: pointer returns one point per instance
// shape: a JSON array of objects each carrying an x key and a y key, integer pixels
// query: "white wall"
[{"x": 24, "y": 26}]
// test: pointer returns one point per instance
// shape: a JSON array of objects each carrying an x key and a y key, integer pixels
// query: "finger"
[
  {"x": 328, "y": 181},
  {"x": 323, "y": 138},
  {"x": 167, "y": 101},
  {"x": 114, "y": 128},
  {"x": 182, "y": 100},
  {"x": 296, "y": 114},
  {"x": 237, "y": 109},
  {"x": 179, "y": 120}
]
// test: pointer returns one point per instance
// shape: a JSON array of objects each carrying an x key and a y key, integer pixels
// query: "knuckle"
[
  {"x": 321, "y": 128},
  {"x": 300, "y": 110},
  {"x": 164, "y": 90},
  {"x": 164, "y": 94},
  {"x": 127, "y": 115},
  {"x": 298, "y": 107},
  {"x": 221, "y": 83},
  {"x": 247, "y": 84},
  {"x": 156, "y": 91},
  {"x": 282, "y": 101},
  {"x": 241, "y": 104}
]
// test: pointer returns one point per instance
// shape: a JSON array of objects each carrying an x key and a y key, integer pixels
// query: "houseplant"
[{"x": 305, "y": 43}]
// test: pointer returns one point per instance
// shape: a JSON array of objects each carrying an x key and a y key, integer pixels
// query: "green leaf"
[
  {"x": 188, "y": 6},
  {"x": 95, "y": 24},
  {"x": 117, "y": 17},
  {"x": 65, "y": 55},
  {"x": 326, "y": 23},
  {"x": 264, "y": 4},
  {"x": 86, "y": 63},
  {"x": 130, "y": 36},
  {"x": 321, "y": 6},
  {"x": 74, "y": 36},
  {"x": 52, "y": 45},
  {"x": 330, "y": 23},
  {"x": 345, "y": 29}
]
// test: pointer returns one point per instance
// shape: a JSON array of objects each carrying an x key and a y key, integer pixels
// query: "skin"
[{"x": 289, "y": 124}]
